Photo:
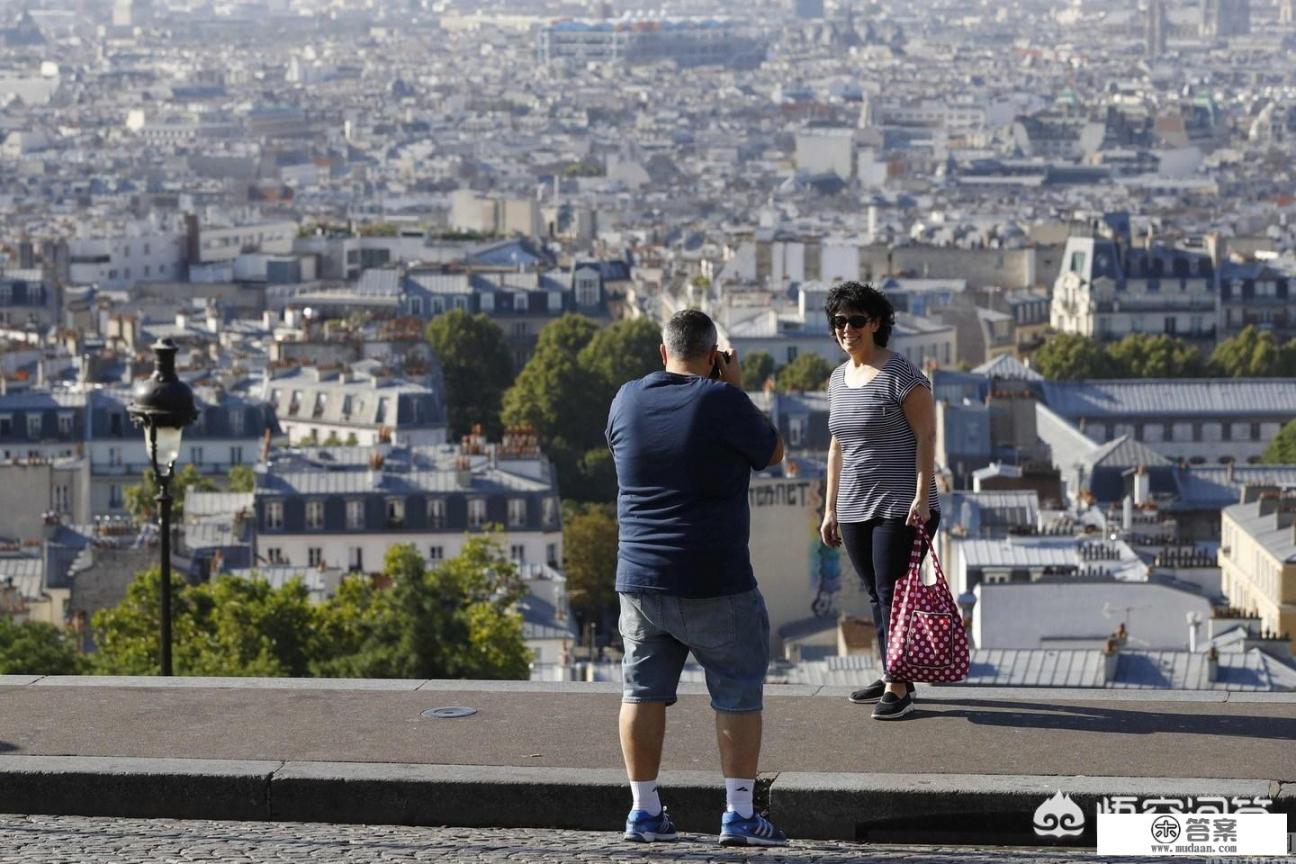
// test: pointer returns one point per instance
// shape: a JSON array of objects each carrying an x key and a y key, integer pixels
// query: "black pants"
[{"x": 879, "y": 551}]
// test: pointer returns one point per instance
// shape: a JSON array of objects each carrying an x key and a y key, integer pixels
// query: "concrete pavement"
[{"x": 970, "y": 766}]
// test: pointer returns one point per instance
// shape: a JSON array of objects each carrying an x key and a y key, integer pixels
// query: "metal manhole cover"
[{"x": 449, "y": 713}]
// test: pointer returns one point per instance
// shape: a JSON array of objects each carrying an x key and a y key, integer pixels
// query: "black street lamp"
[{"x": 163, "y": 405}]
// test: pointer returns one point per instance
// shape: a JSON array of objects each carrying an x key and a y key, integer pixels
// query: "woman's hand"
[
  {"x": 828, "y": 531},
  {"x": 919, "y": 512}
]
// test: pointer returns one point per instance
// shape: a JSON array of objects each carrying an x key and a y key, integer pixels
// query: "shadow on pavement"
[{"x": 1088, "y": 718}]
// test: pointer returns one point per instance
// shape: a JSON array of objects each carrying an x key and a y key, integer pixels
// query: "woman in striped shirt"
[{"x": 881, "y": 463}]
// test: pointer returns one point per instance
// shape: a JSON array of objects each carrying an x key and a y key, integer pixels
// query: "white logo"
[{"x": 1059, "y": 816}]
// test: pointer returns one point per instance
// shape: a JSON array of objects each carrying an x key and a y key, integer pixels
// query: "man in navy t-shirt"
[{"x": 685, "y": 442}]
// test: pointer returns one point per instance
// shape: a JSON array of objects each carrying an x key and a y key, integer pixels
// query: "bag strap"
[{"x": 915, "y": 555}]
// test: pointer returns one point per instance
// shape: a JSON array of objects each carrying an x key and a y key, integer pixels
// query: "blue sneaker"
[
  {"x": 643, "y": 828},
  {"x": 756, "y": 831}
]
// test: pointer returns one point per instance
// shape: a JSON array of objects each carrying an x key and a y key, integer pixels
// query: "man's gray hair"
[{"x": 689, "y": 335}]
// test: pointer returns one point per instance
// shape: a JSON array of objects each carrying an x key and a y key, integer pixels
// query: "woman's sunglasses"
[{"x": 839, "y": 322}]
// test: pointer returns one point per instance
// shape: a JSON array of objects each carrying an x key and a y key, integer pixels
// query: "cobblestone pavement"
[{"x": 66, "y": 839}]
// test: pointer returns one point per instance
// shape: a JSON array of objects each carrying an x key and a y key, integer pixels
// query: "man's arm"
[{"x": 778, "y": 449}]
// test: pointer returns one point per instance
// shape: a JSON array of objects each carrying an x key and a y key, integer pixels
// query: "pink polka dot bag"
[{"x": 926, "y": 640}]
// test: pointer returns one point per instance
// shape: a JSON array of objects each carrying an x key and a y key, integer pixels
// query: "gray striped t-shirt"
[{"x": 879, "y": 450}]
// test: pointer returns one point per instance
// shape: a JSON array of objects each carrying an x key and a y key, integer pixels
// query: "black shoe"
[
  {"x": 893, "y": 707},
  {"x": 873, "y": 693}
]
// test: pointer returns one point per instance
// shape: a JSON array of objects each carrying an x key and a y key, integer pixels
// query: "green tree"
[
  {"x": 552, "y": 395},
  {"x": 1250, "y": 354},
  {"x": 1070, "y": 356},
  {"x": 456, "y": 620},
  {"x": 37, "y": 648},
  {"x": 140, "y": 498},
  {"x": 229, "y": 627},
  {"x": 807, "y": 372},
  {"x": 476, "y": 366},
  {"x": 1282, "y": 449},
  {"x": 240, "y": 479},
  {"x": 624, "y": 351},
  {"x": 1143, "y": 355},
  {"x": 756, "y": 367},
  {"x": 590, "y": 558}
]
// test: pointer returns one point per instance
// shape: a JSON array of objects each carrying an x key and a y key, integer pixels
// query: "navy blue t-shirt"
[{"x": 684, "y": 449}]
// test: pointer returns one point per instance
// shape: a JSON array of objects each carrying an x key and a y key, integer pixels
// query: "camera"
[{"x": 716, "y": 369}]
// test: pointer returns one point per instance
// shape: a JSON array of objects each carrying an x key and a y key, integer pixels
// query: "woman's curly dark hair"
[{"x": 863, "y": 298}]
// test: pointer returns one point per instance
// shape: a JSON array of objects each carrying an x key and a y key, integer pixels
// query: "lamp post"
[{"x": 163, "y": 405}]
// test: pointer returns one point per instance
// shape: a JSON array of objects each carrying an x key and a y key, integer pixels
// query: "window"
[
  {"x": 1197, "y": 432},
  {"x": 796, "y": 428},
  {"x": 520, "y": 302},
  {"x": 476, "y": 512},
  {"x": 416, "y": 306},
  {"x": 114, "y": 456},
  {"x": 355, "y": 513},
  {"x": 382, "y": 411},
  {"x": 517, "y": 514},
  {"x": 114, "y": 496},
  {"x": 1226, "y": 431},
  {"x": 320, "y": 401},
  {"x": 1138, "y": 431},
  {"x": 61, "y": 498},
  {"x": 115, "y": 424},
  {"x": 315, "y": 514},
  {"x": 295, "y": 405},
  {"x": 6, "y": 424},
  {"x": 1255, "y": 431},
  {"x": 436, "y": 553},
  {"x": 275, "y": 555},
  {"x": 395, "y": 512},
  {"x": 791, "y": 353},
  {"x": 196, "y": 455},
  {"x": 1077, "y": 262},
  {"x": 587, "y": 290},
  {"x": 355, "y": 559},
  {"x": 1167, "y": 434},
  {"x": 34, "y": 426},
  {"x": 517, "y": 552},
  {"x": 551, "y": 554},
  {"x": 65, "y": 424},
  {"x": 1170, "y": 325},
  {"x": 555, "y": 302},
  {"x": 519, "y": 329},
  {"x": 274, "y": 514},
  {"x": 315, "y": 556},
  {"x": 346, "y": 406},
  {"x": 236, "y": 455},
  {"x": 436, "y": 513},
  {"x": 550, "y": 512}
]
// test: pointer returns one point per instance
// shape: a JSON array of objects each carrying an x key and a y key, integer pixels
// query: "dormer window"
[{"x": 520, "y": 302}]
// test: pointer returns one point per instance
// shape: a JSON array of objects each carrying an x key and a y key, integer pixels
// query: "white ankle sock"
[
  {"x": 645, "y": 796},
  {"x": 738, "y": 796}
]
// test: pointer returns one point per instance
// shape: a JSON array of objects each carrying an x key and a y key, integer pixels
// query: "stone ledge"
[
  {"x": 139, "y": 788},
  {"x": 926, "y": 808}
]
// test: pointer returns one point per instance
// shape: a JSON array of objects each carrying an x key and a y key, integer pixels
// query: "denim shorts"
[{"x": 728, "y": 635}]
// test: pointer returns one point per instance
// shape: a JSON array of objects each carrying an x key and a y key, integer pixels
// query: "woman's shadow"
[{"x": 1091, "y": 718}]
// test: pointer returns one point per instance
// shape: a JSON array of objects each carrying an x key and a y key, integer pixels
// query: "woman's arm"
[
  {"x": 920, "y": 411},
  {"x": 828, "y": 532}
]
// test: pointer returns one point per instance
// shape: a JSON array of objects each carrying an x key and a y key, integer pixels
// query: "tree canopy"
[
  {"x": 756, "y": 368},
  {"x": 590, "y": 558},
  {"x": 1067, "y": 356},
  {"x": 141, "y": 501},
  {"x": 37, "y": 648},
  {"x": 476, "y": 366},
  {"x": 806, "y": 372},
  {"x": 450, "y": 621},
  {"x": 566, "y": 388},
  {"x": 1282, "y": 449}
]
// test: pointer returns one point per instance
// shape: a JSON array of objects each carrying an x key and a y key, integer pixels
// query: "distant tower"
[
  {"x": 1156, "y": 28},
  {"x": 1287, "y": 12}
]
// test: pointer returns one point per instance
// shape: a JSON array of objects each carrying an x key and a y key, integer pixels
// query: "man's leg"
[
  {"x": 643, "y": 730},
  {"x": 650, "y": 671},
  {"x": 739, "y": 739}
]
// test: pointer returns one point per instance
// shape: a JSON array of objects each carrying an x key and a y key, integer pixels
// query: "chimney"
[
  {"x": 1127, "y": 514},
  {"x": 1286, "y": 511},
  {"x": 1254, "y": 491},
  {"x": 265, "y": 445},
  {"x": 182, "y": 320},
  {"x": 1142, "y": 486},
  {"x": 1111, "y": 659},
  {"x": 1268, "y": 503},
  {"x": 1212, "y": 665},
  {"x": 213, "y": 320},
  {"x": 40, "y": 373}
]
